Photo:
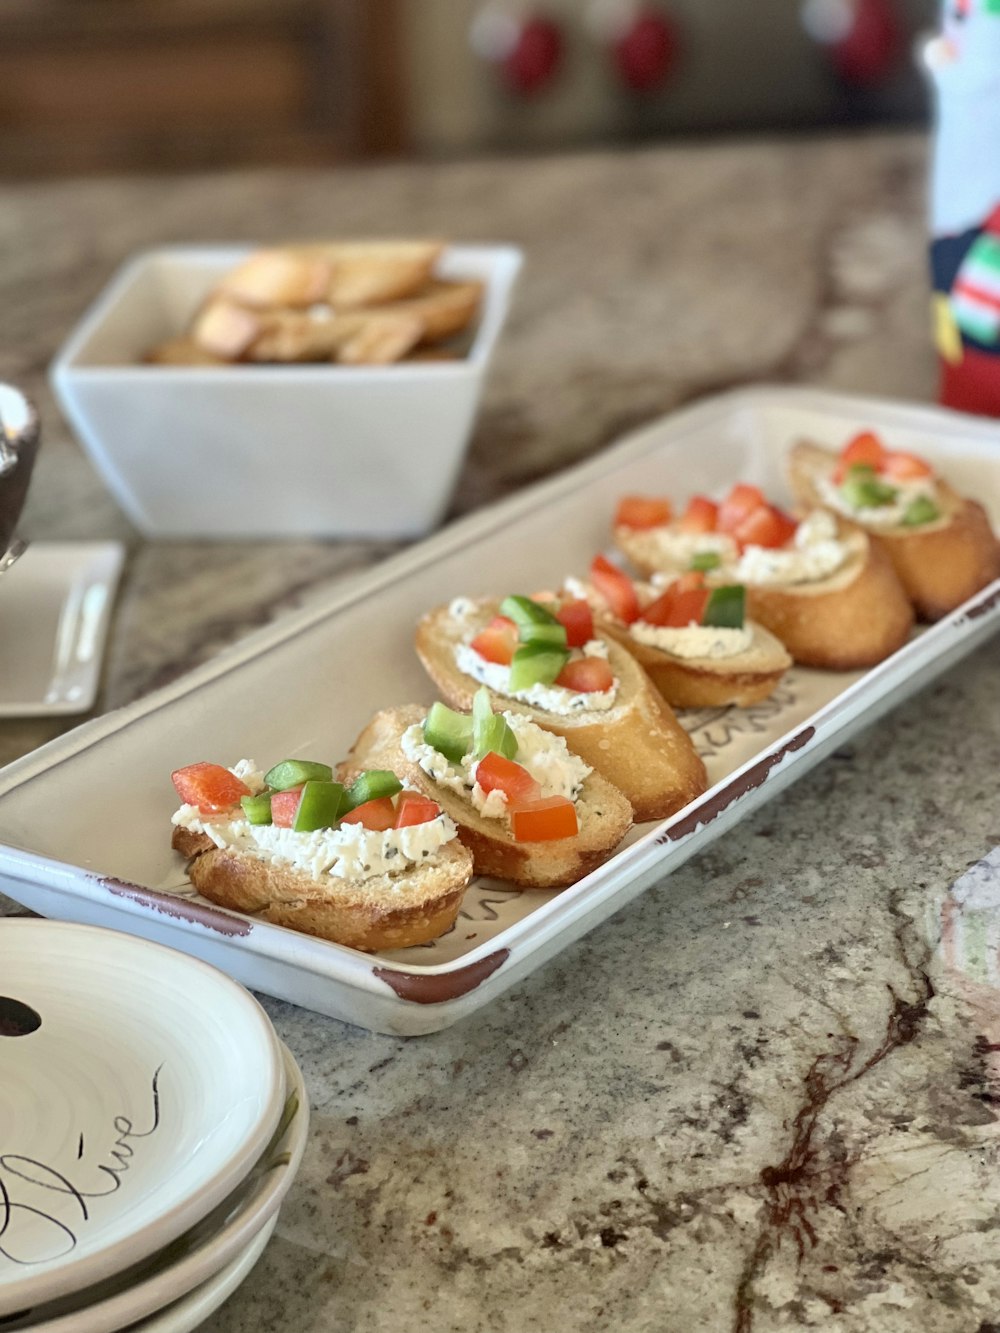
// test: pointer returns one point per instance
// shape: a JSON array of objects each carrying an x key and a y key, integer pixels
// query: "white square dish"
[
  {"x": 308, "y": 684},
  {"x": 265, "y": 450}
]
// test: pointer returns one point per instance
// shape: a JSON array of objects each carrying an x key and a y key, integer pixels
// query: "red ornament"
[
  {"x": 870, "y": 50},
  {"x": 645, "y": 52},
  {"x": 864, "y": 38},
  {"x": 535, "y": 56}
]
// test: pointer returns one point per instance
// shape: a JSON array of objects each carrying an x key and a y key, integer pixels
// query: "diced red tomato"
[
  {"x": 497, "y": 642},
  {"x": 413, "y": 808},
  {"x": 210, "y": 787},
  {"x": 741, "y": 501},
  {"x": 578, "y": 620},
  {"x": 642, "y": 511},
  {"x": 544, "y": 820},
  {"x": 377, "y": 815},
  {"x": 701, "y": 515},
  {"x": 584, "y": 675},
  {"x": 689, "y": 581},
  {"x": 616, "y": 588},
  {"x": 677, "y": 607},
  {"x": 284, "y": 805},
  {"x": 495, "y": 773},
  {"x": 866, "y": 449},
  {"x": 906, "y": 467},
  {"x": 767, "y": 526}
]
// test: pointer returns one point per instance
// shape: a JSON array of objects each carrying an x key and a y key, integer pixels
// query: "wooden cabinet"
[{"x": 161, "y": 84}]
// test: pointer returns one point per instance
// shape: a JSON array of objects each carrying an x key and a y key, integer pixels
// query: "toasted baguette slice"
[
  {"x": 856, "y": 617},
  {"x": 939, "y": 564},
  {"x": 181, "y": 351},
  {"x": 344, "y": 274},
  {"x": 637, "y": 744},
  {"x": 364, "y": 273},
  {"x": 383, "y": 912},
  {"x": 708, "y": 682},
  {"x": 603, "y": 813}
]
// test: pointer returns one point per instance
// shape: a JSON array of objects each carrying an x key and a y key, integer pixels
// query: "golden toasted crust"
[
  {"x": 190, "y": 844},
  {"x": 345, "y": 274},
  {"x": 841, "y": 623},
  {"x": 384, "y": 912},
  {"x": 638, "y": 745},
  {"x": 939, "y": 564},
  {"x": 603, "y": 813},
  {"x": 708, "y": 682},
  {"x": 942, "y": 568}
]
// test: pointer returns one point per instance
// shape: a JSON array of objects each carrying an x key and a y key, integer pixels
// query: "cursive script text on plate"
[{"x": 54, "y": 1205}]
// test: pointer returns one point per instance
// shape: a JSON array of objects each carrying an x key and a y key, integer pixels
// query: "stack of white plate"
[{"x": 151, "y": 1123}]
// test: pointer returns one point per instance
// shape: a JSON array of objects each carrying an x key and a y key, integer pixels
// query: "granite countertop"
[{"x": 764, "y": 1096}]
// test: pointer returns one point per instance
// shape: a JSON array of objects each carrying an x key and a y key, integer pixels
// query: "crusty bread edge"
[{"x": 386, "y": 912}]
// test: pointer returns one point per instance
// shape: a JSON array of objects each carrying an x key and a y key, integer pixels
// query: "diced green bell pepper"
[
  {"x": 535, "y": 623},
  {"x": 536, "y": 664},
  {"x": 490, "y": 731},
  {"x": 371, "y": 785},
  {"x": 448, "y": 732},
  {"x": 706, "y": 560},
  {"x": 296, "y": 772},
  {"x": 726, "y": 608},
  {"x": 321, "y": 805},
  {"x": 862, "y": 488},
  {"x": 921, "y": 509},
  {"x": 257, "y": 808}
]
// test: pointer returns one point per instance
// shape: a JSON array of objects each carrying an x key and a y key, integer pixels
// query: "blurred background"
[{"x": 124, "y": 85}]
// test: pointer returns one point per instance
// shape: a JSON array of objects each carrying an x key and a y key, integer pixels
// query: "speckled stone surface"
[{"x": 765, "y": 1096}]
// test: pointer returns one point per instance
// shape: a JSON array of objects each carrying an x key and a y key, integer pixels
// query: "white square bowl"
[{"x": 268, "y": 451}]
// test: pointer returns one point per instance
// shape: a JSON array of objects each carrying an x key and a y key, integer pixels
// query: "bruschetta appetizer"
[
  {"x": 821, "y": 586},
  {"x": 372, "y": 865},
  {"x": 696, "y": 643},
  {"x": 528, "y": 808},
  {"x": 540, "y": 662},
  {"x": 941, "y": 545}
]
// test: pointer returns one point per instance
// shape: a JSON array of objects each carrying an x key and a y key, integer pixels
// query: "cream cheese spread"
[
  {"x": 669, "y": 548},
  {"x": 349, "y": 851},
  {"x": 888, "y": 515},
  {"x": 693, "y": 641},
  {"x": 553, "y": 698},
  {"x": 815, "y": 552},
  {"x": 549, "y": 760}
]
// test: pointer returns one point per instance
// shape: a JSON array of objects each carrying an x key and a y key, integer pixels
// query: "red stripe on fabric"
[{"x": 965, "y": 288}]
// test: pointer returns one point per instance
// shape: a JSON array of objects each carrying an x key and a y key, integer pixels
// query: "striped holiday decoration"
[{"x": 975, "y": 297}]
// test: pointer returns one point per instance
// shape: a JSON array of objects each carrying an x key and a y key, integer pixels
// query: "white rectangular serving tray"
[{"x": 84, "y": 821}]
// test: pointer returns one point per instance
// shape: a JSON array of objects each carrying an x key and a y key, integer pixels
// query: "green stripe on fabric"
[{"x": 985, "y": 251}]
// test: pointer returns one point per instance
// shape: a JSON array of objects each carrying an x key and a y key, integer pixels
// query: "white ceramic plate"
[
  {"x": 194, "y": 1308},
  {"x": 198, "y": 1260},
  {"x": 55, "y": 606},
  {"x": 336, "y": 662},
  {"x": 137, "y": 1088}
]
